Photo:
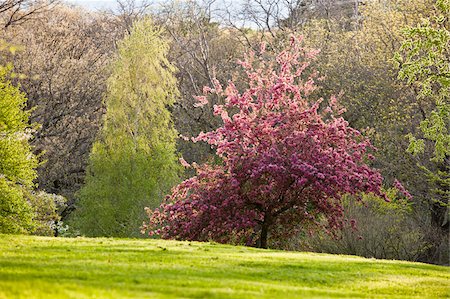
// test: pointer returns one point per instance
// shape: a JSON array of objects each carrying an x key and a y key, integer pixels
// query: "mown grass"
[{"x": 39, "y": 267}]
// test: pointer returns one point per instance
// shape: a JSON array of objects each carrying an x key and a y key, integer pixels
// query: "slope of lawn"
[{"x": 39, "y": 267}]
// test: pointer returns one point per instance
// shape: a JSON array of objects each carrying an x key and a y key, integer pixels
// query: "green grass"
[{"x": 39, "y": 267}]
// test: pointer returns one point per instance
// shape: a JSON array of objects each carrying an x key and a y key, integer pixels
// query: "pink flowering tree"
[{"x": 286, "y": 160}]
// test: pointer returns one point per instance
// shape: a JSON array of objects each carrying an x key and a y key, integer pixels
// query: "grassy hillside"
[{"x": 38, "y": 267}]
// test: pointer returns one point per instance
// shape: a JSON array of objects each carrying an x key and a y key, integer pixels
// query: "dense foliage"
[
  {"x": 425, "y": 65},
  {"x": 17, "y": 163},
  {"x": 47, "y": 210},
  {"x": 133, "y": 163},
  {"x": 398, "y": 234}
]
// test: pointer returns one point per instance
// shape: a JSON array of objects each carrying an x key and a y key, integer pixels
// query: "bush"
[
  {"x": 17, "y": 163},
  {"x": 375, "y": 228},
  {"x": 16, "y": 215},
  {"x": 47, "y": 208}
]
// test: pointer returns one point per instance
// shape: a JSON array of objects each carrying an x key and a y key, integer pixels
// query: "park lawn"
[{"x": 44, "y": 267}]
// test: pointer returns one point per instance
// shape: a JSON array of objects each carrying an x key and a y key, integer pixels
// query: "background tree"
[
  {"x": 201, "y": 50},
  {"x": 425, "y": 64},
  {"x": 17, "y": 163},
  {"x": 133, "y": 162},
  {"x": 398, "y": 234},
  {"x": 126, "y": 12},
  {"x": 384, "y": 108},
  {"x": 286, "y": 161},
  {"x": 65, "y": 57},
  {"x": 14, "y": 12}
]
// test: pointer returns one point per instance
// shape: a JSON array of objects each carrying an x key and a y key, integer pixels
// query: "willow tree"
[
  {"x": 17, "y": 163},
  {"x": 133, "y": 163}
]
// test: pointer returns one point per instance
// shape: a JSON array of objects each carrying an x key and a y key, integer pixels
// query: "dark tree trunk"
[
  {"x": 265, "y": 230},
  {"x": 263, "y": 237},
  {"x": 439, "y": 216}
]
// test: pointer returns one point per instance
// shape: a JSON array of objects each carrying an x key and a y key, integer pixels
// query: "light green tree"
[
  {"x": 424, "y": 61},
  {"x": 17, "y": 163},
  {"x": 133, "y": 163},
  {"x": 426, "y": 65}
]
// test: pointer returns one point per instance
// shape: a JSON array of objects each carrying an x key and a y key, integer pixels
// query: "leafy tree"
[
  {"x": 425, "y": 64},
  {"x": 133, "y": 163},
  {"x": 359, "y": 62},
  {"x": 17, "y": 163},
  {"x": 65, "y": 55},
  {"x": 287, "y": 161}
]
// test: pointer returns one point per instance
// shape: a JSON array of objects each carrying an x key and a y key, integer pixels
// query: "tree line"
[{"x": 107, "y": 102}]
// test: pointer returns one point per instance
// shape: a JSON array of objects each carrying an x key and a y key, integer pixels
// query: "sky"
[
  {"x": 101, "y": 4},
  {"x": 112, "y": 4},
  {"x": 94, "y": 4},
  {"x": 108, "y": 4}
]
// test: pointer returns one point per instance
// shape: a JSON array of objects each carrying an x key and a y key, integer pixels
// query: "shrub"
[
  {"x": 374, "y": 229},
  {"x": 47, "y": 208},
  {"x": 17, "y": 162}
]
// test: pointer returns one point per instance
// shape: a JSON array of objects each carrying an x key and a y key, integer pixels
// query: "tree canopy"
[
  {"x": 287, "y": 159},
  {"x": 133, "y": 162},
  {"x": 17, "y": 163}
]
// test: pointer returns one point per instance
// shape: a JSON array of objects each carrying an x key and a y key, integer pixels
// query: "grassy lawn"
[{"x": 38, "y": 267}]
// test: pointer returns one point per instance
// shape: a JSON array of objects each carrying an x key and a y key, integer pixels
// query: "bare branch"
[{"x": 13, "y": 12}]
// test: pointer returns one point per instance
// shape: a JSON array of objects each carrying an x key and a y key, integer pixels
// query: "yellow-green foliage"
[
  {"x": 425, "y": 64},
  {"x": 133, "y": 162},
  {"x": 17, "y": 163}
]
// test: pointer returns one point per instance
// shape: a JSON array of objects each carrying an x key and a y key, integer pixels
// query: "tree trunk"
[
  {"x": 263, "y": 237},
  {"x": 265, "y": 230}
]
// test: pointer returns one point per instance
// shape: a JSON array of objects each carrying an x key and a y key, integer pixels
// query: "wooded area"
[{"x": 319, "y": 125}]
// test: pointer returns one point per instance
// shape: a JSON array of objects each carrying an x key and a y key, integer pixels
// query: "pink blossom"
[
  {"x": 184, "y": 163},
  {"x": 202, "y": 101},
  {"x": 402, "y": 189}
]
